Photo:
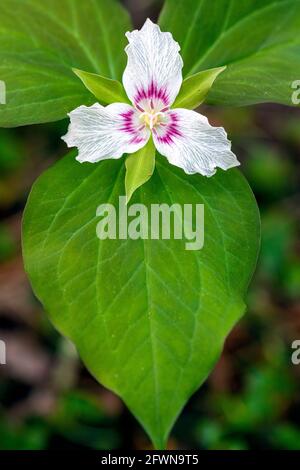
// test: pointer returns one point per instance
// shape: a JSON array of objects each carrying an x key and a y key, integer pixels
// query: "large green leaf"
[
  {"x": 259, "y": 40},
  {"x": 148, "y": 317},
  {"x": 40, "y": 42}
]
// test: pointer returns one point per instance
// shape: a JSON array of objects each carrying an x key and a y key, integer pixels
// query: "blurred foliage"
[
  {"x": 251, "y": 400},
  {"x": 11, "y": 153},
  {"x": 7, "y": 245}
]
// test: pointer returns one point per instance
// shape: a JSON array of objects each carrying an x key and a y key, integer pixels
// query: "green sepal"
[
  {"x": 106, "y": 90},
  {"x": 139, "y": 168},
  {"x": 196, "y": 87}
]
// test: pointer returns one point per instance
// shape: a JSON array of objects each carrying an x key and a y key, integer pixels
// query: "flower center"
[{"x": 152, "y": 118}]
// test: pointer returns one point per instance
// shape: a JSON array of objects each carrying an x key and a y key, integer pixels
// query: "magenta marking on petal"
[
  {"x": 136, "y": 140},
  {"x": 171, "y": 130},
  {"x": 127, "y": 114},
  {"x": 141, "y": 95},
  {"x": 130, "y": 127},
  {"x": 139, "y": 108},
  {"x": 151, "y": 90},
  {"x": 152, "y": 93}
]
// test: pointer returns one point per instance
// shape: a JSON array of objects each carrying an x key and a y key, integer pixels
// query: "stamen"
[{"x": 151, "y": 119}]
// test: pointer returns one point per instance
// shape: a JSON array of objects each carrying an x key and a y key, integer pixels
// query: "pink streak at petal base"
[
  {"x": 151, "y": 94},
  {"x": 170, "y": 130},
  {"x": 129, "y": 126}
]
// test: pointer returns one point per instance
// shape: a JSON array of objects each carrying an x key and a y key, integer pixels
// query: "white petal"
[
  {"x": 154, "y": 67},
  {"x": 105, "y": 132},
  {"x": 190, "y": 142}
]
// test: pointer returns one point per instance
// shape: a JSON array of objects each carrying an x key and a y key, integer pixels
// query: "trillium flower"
[{"x": 152, "y": 80}]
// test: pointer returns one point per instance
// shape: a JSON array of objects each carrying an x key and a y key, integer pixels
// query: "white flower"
[{"x": 152, "y": 80}]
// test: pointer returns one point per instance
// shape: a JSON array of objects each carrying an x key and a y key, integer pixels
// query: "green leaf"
[
  {"x": 258, "y": 40},
  {"x": 41, "y": 43},
  {"x": 106, "y": 90},
  {"x": 148, "y": 317},
  {"x": 195, "y": 88},
  {"x": 139, "y": 168}
]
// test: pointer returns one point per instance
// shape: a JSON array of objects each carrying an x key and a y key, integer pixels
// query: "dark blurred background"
[{"x": 251, "y": 400}]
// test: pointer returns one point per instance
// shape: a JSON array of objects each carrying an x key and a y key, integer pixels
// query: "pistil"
[{"x": 152, "y": 118}]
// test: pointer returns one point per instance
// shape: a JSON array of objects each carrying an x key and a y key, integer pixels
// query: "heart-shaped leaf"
[
  {"x": 258, "y": 40},
  {"x": 106, "y": 90},
  {"x": 40, "y": 43},
  {"x": 148, "y": 316}
]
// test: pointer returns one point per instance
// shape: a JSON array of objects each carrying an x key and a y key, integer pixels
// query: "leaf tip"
[
  {"x": 221, "y": 70},
  {"x": 77, "y": 72},
  {"x": 128, "y": 197}
]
